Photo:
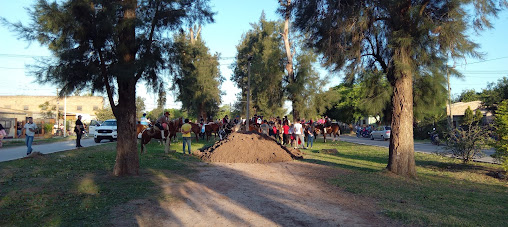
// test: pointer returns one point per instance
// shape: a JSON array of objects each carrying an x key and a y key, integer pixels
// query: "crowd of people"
[{"x": 294, "y": 134}]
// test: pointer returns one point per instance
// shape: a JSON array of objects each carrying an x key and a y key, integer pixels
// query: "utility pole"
[
  {"x": 450, "y": 118},
  {"x": 248, "y": 93},
  {"x": 57, "y": 112},
  {"x": 65, "y": 117}
]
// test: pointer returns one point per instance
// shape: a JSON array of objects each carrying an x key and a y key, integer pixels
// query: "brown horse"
[
  {"x": 174, "y": 127},
  {"x": 140, "y": 128},
  {"x": 332, "y": 129},
  {"x": 212, "y": 128},
  {"x": 195, "y": 128},
  {"x": 152, "y": 133}
]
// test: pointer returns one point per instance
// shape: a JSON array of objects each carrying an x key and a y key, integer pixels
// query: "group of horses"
[{"x": 146, "y": 134}]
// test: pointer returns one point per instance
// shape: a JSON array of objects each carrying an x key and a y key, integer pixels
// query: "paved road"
[
  {"x": 12, "y": 153},
  {"x": 419, "y": 146}
]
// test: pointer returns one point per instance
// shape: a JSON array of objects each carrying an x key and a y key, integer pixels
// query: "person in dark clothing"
[{"x": 79, "y": 129}]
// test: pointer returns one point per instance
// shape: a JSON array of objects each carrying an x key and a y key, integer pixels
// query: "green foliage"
[
  {"x": 495, "y": 94},
  {"x": 346, "y": 105},
  {"x": 468, "y": 141},
  {"x": 324, "y": 102},
  {"x": 108, "y": 47},
  {"x": 154, "y": 114},
  {"x": 198, "y": 77},
  {"x": 406, "y": 41},
  {"x": 468, "y": 116},
  {"x": 375, "y": 95},
  {"x": 105, "y": 114},
  {"x": 48, "y": 128},
  {"x": 306, "y": 85},
  {"x": 468, "y": 96},
  {"x": 47, "y": 110},
  {"x": 263, "y": 44},
  {"x": 140, "y": 106},
  {"x": 223, "y": 111},
  {"x": 501, "y": 126},
  {"x": 430, "y": 95},
  {"x": 478, "y": 116}
]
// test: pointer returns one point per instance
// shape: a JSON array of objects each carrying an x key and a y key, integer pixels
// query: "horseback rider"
[
  {"x": 144, "y": 121},
  {"x": 163, "y": 123}
]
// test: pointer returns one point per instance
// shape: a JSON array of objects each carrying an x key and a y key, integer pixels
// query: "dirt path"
[{"x": 241, "y": 194}]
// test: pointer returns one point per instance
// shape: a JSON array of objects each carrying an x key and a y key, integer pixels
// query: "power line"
[{"x": 482, "y": 61}]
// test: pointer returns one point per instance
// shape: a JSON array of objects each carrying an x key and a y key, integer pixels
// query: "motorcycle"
[{"x": 434, "y": 138}]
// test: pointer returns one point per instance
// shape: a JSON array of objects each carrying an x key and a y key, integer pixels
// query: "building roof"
[{"x": 459, "y": 108}]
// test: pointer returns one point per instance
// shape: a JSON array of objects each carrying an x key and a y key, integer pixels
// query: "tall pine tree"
[
  {"x": 403, "y": 39},
  {"x": 262, "y": 43},
  {"x": 197, "y": 78},
  {"x": 109, "y": 46}
]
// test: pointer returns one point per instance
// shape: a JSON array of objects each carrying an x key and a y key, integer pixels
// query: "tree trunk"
[
  {"x": 401, "y": 151},
  {"x": 127, "y": 159},
  {"x": 289, "y": 54}
]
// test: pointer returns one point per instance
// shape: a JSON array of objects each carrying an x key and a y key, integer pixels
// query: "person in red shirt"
[{"x": 286, "y": 132}]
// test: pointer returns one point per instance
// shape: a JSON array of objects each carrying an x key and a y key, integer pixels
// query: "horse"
[
  {"x": 149, "y": 134},
  {"x": 139, "y": 129},
  {"x": 196, "y": 129},
  {"x": 212, "y": 128},
  {"x": 174, "y": 127},
  {"x": 331, "y": 129}
]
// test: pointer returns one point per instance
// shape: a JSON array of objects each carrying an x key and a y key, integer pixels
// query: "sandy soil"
[{"x": 244, "y": 194}]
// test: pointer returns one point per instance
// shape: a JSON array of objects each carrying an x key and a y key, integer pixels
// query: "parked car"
[
  {"x": 93, "y": 126},
  {"x": 107, "y": 130},
  {"x": 381, "y": 132}
]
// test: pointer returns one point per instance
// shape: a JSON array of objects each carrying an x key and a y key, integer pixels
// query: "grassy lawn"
[
  {"x": 446, "y": 192},
  {"x": 37, "y": 141},
  {"x": 77, "y": 188}
]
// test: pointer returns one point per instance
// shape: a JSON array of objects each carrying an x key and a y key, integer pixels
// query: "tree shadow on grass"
[{"x": 335, "y": 164}]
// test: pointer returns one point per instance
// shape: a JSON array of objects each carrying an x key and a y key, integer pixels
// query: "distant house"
[
  {"x": 15, "y": 109},
  {"x": 459, "y": 108},
  {"x": 22, "y": 106},
  {"x": 370, "y": 120}
]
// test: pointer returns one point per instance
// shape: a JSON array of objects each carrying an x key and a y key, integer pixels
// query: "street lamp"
[{"x": 248, "y": 93}]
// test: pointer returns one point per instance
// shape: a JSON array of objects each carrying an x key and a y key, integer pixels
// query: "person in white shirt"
[
  {"x": 30, "y": 129},
  {"x": 298, "y": 130}
]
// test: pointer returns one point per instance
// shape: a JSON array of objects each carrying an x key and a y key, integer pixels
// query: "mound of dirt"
[
  {"x": 248, "y": 147},
  {"x": 329, "y": 151}
]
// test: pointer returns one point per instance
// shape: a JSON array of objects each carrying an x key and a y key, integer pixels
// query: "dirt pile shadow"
[{"x": 248, "y": 147}]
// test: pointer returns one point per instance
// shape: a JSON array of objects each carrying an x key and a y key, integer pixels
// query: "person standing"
[
  {"x": 310, "y": 135},
  {"x": 186, "y": 135},
  {"x": 298, "y": 130},
  {"x": 265, "y": 127},
  {"x": 79, "y": 129},
  {"x": 30, "y": 129},
  {"x": 2, "y": 134},
  {"x": 285, "y": 135},
  {"x": 225, "y": 120}
]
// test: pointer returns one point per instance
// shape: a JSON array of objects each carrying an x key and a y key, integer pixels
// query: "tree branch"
[
  {"x": 150, "y": 37},
  {"x": 104, "y": 73}
]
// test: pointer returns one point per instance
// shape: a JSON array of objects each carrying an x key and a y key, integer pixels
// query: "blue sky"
[{"x": 232, "y": 20}]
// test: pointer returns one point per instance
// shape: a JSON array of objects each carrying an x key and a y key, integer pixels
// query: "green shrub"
[
  {"x": 501, "y": 126},
  {"x": 48, "y": 128},
  {"x": 468, "y": 142}
]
